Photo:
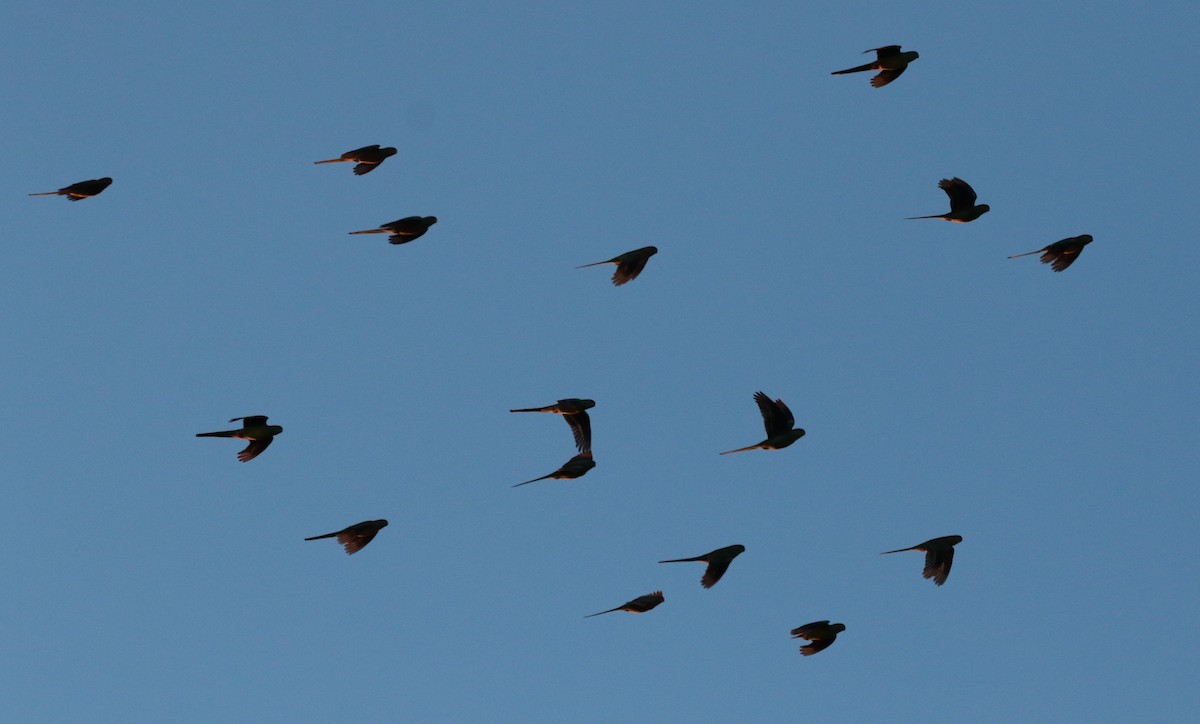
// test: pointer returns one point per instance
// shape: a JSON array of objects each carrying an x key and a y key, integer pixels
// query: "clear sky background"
[{"x": 1050, "y": 419}]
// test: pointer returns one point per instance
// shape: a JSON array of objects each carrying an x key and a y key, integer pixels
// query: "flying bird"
[
  {"x": 962, "y": 202},
  {"x": 81, "y": 190},
  {"x": 574, "y": 411},
  {"x": 1061, "y": 254},
  {"x": 255, "y": 429},
  {"x": 888, "y": 60},
  {"x": 718, "y": 562},
  {"x": 778, "y": 420},
  {"x": 629, "y": 264},
  {"x": 367, "y": 158},
  {"x": 820, "y": 633},
  {"x": 576, "y": 467},
  {"x": 939, "y": 556},
  {"x": 641, "y": 604},
  {"x": 355, "y": 537},
  {"x": 403, "y": 230}
]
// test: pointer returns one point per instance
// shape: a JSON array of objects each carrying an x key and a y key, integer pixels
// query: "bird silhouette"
[
  {"x": 962, "y": 202},
  {"x": 81, "y": 190},
  {"x": 820, "y": 633},
  {"x": 939, "y": 556},
  {"x": 779, "y": 422},
  {"x": 574, "y": 411},
  {"x": 367, "y": 158},
  {"x": 1061, "y": 254},
  {"x": 355, "y": 537},
  {"x": 629, "y": 264},
  {"x": 889, "y": 60},
  {"x": 403, "y": 230},
  {"x": 576, "y": 467},
  {"x": 718, "y": 562},
  {"x": 641, "y": 604},
  {"x": 255, "y": 429}
]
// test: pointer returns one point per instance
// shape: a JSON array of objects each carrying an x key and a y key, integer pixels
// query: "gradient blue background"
[{"x": 1048, "y": 418}]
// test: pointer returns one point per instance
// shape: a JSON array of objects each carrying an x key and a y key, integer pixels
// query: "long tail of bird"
[
  {"x": 610, "y": 261},
  {"x": 332, "y": 160},
  {"x": 935, "y": 216},
  {"x": 224, "y": 433},
  {"x": 45, "y": 193},
  {"x": 1028, "y": 253},
  {"x": 319, "y": 537},
  {"x": 858, "y": 69},
  {"x": 740, "y": 449},
  {"x": 899, "y": 550},
  {"x": 527, "y": 482},
  {"x": 372, "y": 231}
]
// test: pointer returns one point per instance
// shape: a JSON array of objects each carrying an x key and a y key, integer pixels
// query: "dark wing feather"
[
  {"x": 581, "y": 428},
  {"x": 817, "y": 645},
  {"x": 962, "y": 196},
  {"x": 777, "y": 418},
  {"x": 817, "y": 628},
  {"x": 1059, "y": 260},
  {"x": 887, "y": 76},
  {"x": 786, "y": 419},
  {"x": 937, "y": 564},
  {"x": 251, "y": 420},
  {"x": 365, "y": 167},
  {"x": 713, "y": 573},
  {"x": 767, "y": 409},
  {"x": 354, "y": 540},
  {"x": 885, "y": 51},
  {"x": 254, "y": 449},
  {"x": 629, "y": 270},
  {"x": 803, "y": 631}
]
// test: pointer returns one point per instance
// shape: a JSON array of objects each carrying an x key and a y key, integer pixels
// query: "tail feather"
[
  {"x": 527, "y": 482},
  {"x": 740, "y": 449},
  {"x": 372, "y": 231},
  {"x": 46, "y": 193},
  {"x": 856, "y": 69},
  {"x": 225, "y": 433},
  {"x": 332, "y": 160},
  {"x": 582, "y": 266},
  {"x": 319, "y": 537},
  {"x": 935, "y": 216},
  {"x": 1028, "y": 253},
  {"x": 899, "y": 550},
  {"x": 684, "y": 560}
]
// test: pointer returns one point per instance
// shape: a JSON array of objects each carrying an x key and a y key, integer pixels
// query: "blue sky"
[{"x": 1047, "y": 418}]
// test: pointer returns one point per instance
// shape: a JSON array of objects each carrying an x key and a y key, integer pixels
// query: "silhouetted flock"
[{"x": 777, "y": 418}]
